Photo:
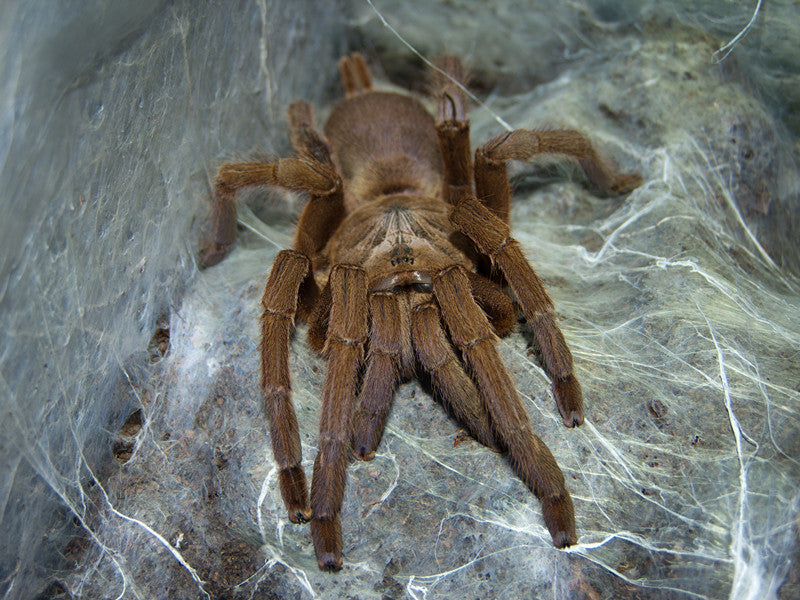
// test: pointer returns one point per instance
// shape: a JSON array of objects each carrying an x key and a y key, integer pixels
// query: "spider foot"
[
  {"x": 369, "y": 419},
  {"x": 327, "y": 536},
  {"x": 364, "y": 444},
  {"x": 461, "y": 436},
  {"x": 300, "y": 515},
  {"x": 559, "y": 516},
  {"x": 569, "y": 398},
  {"x": 295, "y": 495},
  {"x": 362, "y": 453}
]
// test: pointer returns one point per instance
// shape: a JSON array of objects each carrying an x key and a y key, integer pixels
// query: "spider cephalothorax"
[{"x": 403, "y": 263}]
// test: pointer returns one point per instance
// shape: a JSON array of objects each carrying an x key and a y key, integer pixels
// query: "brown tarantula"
[{"x": 410, "y": 243}]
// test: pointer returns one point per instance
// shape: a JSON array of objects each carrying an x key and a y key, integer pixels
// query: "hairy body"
[{"x": 403, "y": 265}]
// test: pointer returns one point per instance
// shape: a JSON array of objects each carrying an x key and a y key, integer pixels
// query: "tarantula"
[{"x": 401, "y": 263}]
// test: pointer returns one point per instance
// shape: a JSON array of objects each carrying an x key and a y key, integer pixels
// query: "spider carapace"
[{"x": 403, "y": 265}]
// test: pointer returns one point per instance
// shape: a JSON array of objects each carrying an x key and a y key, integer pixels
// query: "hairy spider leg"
[
  {"x": 319, "y": 318},
  {"x": 532, "y": 460},
  {"x": 389, "y": 334},
  {"x": 355, "y": 74},
  {"x": 280, "y": 305},
  {"x": 493, "y": 238},
  {"x": 344, "y": 348},
  {"x": 493, "y": 187},
  {"x": 325, "y": 210},
  {"x": 311, "y": 171},
  {"x": 451, "y": 385},
  {"x": 491, "y": 181},
  {"x": 452, "y": 127},
  {"x": 291, "y": 290},
  {"x": 499, "y": 308},
  {"x": 303, "y": 134},
  {"x": 393, "y": 327}
]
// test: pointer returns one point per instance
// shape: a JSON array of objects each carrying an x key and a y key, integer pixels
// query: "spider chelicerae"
[{"x": 403, "y": 265}]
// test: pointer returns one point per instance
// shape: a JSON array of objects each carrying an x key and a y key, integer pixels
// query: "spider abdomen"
[{"x": 383, "y": 143}]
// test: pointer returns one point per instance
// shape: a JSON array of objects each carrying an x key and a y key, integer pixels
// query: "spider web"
[{"x": 679, "y": 303}]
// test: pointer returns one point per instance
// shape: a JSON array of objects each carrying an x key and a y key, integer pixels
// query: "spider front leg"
[
  {"x": 493, "y": 238},
  {"x": 280, "y": 299},
  {"x": 532, "y": 460},
  {"x": 344, "y": 348}
]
